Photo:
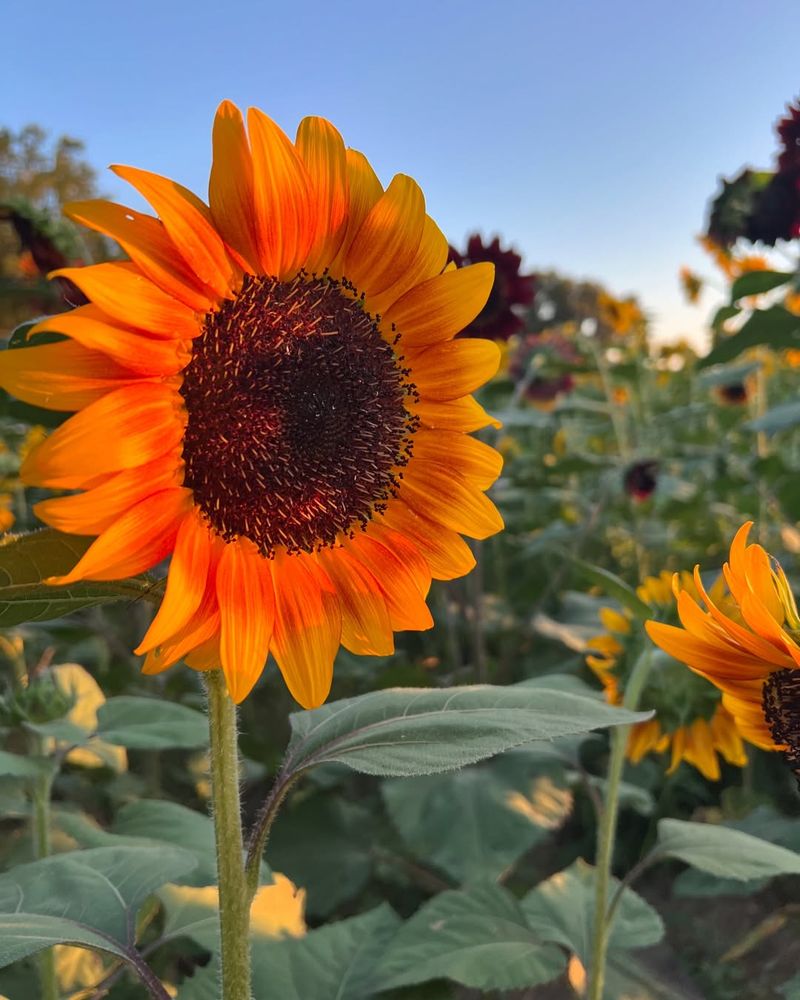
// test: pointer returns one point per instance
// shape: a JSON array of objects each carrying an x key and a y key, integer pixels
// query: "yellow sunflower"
[
  {"x": 270, "y": 392},
  {"x": 749, "y": 650},
  {"x": 691, "y": 722}
]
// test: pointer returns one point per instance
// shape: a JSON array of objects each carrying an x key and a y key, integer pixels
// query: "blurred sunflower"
[
  {"x": 252, "y": 384},
  {"x": 640, "y": 479},
  {"x": 692, "y": 285},
  {"x": 747, "y": 647},
  {"x": 691, "y": 722},
  {"x": 622, "y": 315},
  {"x": 732, "y": 394},
  {"x": 512, "y": 292}
]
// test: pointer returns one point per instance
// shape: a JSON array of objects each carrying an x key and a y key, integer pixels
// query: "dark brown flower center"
[
  {"x": 780, "y": 700},
  {"x": 297, "y": 422}
]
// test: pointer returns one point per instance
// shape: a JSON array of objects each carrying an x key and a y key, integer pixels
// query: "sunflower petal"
[
  {"x": 454, "y": 368},
  {"x": 142, "y": 537},
  {"x": 230, "y": 186},
  {"x": 440, "y": 307},
  {"x": 364, "y": 191},
  {"x": 188, "y": 222},
  {"x": 148, "y": 244},
  {"x": 387, "y": 242},
  {"x": 61, "y": 376},
  {"x": 127, "y": 427},
  {"x": 445, "y": 551},
  {"x": 91, "y": 512},
  {"x": 465, "y": 414},
  {"x": 308, "y": 627},
  {"x": 400, "y": 575},
  {"x": 93, "y": 329},
  {"x": 247, "y": 615},
  {"x": 283, "y": 217},
  {"x": 322, "y": 150},
  {"x": 446, "y": 497},
  {"x": 186, "y": 582},
  {"x": 366, "y": 628},
  {"x": 429, "y": 260},
  {"x": 125, "y": 294},
  {"x": 476, "y": 462}
]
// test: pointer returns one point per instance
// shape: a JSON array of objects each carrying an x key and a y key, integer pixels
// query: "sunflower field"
[{"x": 380, "y": 618}]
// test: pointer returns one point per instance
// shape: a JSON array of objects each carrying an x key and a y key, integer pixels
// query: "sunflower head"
[
  {"x": 745, "y": 645},
  {"x": 692, "y": 285},
  {"x": 269, "y": 392},
  {"x": 690, "y": 722},
  {"x": 640, "y": 479}
]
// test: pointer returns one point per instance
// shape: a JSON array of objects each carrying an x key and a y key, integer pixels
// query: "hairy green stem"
[
  {"x": 234, "y": 899},
  {"x": 42, "y": 789},
  {"x": 607, "y": 831}
]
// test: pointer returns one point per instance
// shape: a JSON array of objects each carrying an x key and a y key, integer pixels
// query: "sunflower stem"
[
  {"x": 234, "y": 900},
  {"x": 607, "y": 831}
]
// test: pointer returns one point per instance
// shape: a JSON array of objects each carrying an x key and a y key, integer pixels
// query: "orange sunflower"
[
  {"x": 750, "y": 652},
  {"x": 269, "y": 392},
  {"x": 691, "y": 723}
]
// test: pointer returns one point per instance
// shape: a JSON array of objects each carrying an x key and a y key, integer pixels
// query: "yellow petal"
[
  {"x": 475, "y": 461},
  {"x": 430, "y": 258},
  {"x": 445, "y": 551},
  {"x": 322, "y": 150},
  {"x": 440, "y": 307},
  {"x": 364, "y": 190},
  {"x": 464, "y": 414},
  {"x": 366, "y": 628},
  {"x": 446, "y": 497},
  {"x": 387, "y": 242},
  {"x": 453, "y": 369}
]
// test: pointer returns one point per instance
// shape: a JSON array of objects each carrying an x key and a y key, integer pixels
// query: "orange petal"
[
  {"x": 146, "y": 241},
  {"x": 247, "y": 615},
  {"x": 387, "y": 242},
  {"x": 475, "y": 461},
  {"x": 61, "y": 376},
  {"x": 92, "y": 512},
  {"x": 186, "y": 582},
  {"x": 429, "y": 260},
  {"x": 121, "y": 290},
  {"x": 440, "y": 307},
  {"x": 397, "y": 570},
  {"x": 444, "y": 496},
  {"x": 142, "y": 537},
  {"x": 90, "y": 327},
  {"x": 283, "y": 220},
  {"x": 464, "y": 414},
  {"x": 308, "y": 627},
  {"x": 202, "y": 629},
  {"x": 230, "y": 186},
  {"x": 364, "y": 190},
  {"x": 366, "y": 628},
  {"x": 321, "y": 148},
  {"x": 188, "y": 222},
  {"x": 127, "y": 427},
  {"x": 447, "y": 554},
  {"x": 453, "y": 369}
]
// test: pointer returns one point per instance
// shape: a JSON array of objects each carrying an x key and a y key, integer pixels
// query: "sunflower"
[
  {"x": 748, "y": 650},
  {"x": 269, "y": 392},
  {"x": 691, "y": 722}
]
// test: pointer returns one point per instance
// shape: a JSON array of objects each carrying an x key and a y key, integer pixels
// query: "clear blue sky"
[{"x": 587, "y": 133}]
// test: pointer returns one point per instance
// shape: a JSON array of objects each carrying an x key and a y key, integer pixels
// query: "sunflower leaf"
[
  {"x": 26, "y": 561},
  {"x": 775, "y": 326},
  {"x": 401, "y": 732},
  {"x": 724, "y": 852},
  {"x": 758, "y": 282},
  {"x": 150, "y": 724}
]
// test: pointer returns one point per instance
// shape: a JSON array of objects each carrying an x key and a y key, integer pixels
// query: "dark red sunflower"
[
  {"x": 511, "y": 293},
  {"x": 788, "y": 129}
]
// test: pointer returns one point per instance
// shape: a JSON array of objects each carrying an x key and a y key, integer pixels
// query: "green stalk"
[
  {"x": 607, "y": 831},
  {"x": 234, "y": 899},
  {"x": 41, "y": 842}
]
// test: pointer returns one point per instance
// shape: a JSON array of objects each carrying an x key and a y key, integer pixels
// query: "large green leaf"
[
  {"x": 724, "y": 852},
  {"x": 475, "y": 823},
  {"x": 776, "y": 327},
  {"x": 23, "y": 934},
  {"x": 779, "y": 418},
  {"x": 562, "y": 910},
  {"x": 336, "y": 962},
  {"x": 409, "y": 731},
  {"x": 14, "y": 765},
  {"x": 150, "y": 724},
  {"x": 333, "y": 867},
  {"x": 478, "y": 937},
  {"x": 758, "y": 282},
  {"x": 26, "y": 561}
]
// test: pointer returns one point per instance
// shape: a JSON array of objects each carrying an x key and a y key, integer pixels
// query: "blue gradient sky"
[{"x": 589, "y": 134}]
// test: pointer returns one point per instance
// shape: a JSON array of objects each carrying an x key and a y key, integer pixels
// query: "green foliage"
[
  {"x": 724, "y": 852},
  {"x": 774, "y": 327},
  {"x": 150, "y": 724}
]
